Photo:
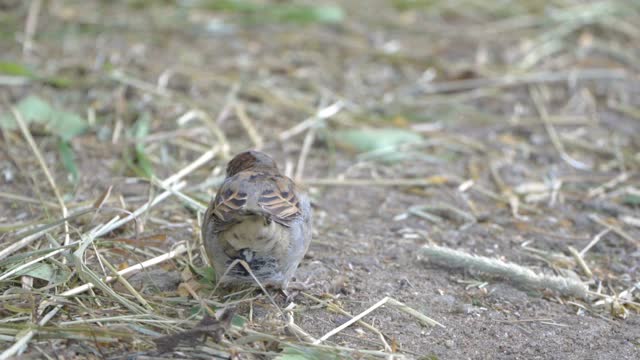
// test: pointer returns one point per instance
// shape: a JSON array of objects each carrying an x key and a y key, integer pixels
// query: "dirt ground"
[{"x": 529, "y": 120}]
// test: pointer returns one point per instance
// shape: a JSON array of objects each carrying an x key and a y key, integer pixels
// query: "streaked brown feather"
[{"x": 277, "y": 201}]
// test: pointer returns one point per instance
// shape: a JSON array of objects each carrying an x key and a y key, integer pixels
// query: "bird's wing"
[
  {"x": 280, "y": 200},
  {"x": 270, "y": 195}
]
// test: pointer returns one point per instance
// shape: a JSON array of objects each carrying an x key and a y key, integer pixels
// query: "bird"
[{"x": 259, "y": 216}]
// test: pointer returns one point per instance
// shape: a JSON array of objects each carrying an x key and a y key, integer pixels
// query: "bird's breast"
[{"x": 258, "y": 234}]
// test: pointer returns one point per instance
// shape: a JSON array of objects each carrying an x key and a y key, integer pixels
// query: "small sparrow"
[{"x": 259, "y": 216}]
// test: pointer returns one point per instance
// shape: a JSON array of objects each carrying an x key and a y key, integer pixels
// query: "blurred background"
[{"x": 504, "y": 128}]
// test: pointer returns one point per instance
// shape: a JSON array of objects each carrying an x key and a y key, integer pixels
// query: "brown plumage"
[{"x": 259, "y": 216}]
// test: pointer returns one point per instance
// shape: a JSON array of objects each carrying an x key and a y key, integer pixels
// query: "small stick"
[
  {"x": 201, "y": 160},
  {"x": 373, "y": 182},
  {"x": 248, "y": 269},
  {"x": 134, "y": 215},
  {"x": 580, "y": 260},
  {"x": 17, "y": 197},
  {"x": 402, "y": 307},
  {"x": 320, "y": 115},
  {"x": 599, "y": 190},
  {"x": 26, "y": 265},
  {"x": 178, "y": 250},
  {"x": 196, "y": 205},
  {"x": 294, "y": 327},
  {"x": 536, "y": 95},
  {"x": 30, "y": 27},
  {"x": 540, "y": 77},
  {"x": 37, "y": 233},
  {"x": 350, "y": 322},
  {"x": 594, "y": 241},
  {"x": 248, "y": 126},
  {"x": 615, "y": 229},
  {"x": 334, "y": 307},
  {"x": 304, "y": 153},
  {"x": 43, "y": 164}
]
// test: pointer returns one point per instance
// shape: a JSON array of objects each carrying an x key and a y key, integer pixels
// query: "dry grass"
[{"x": 538, "y": 115}]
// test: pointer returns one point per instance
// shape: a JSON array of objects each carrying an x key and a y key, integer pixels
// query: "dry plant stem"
[
  {"x": 615, "y": 229},
  {"x": 541, "y": 77},
  {"x": 320, "y": 115},
  {"x": 22, "y": 342},
  {"x": 178, "y": 250},
  {"x": 248, "y": 126},
  {"x": 401, "y": 306},
  {"x": 583, "y": 265},
  {"x": 600, "y": 189},
  {"x": 35, "y": 261},
  {"x": 195, "y": 204},
  {"x": 151, "y": 203},
  {"x": 328, "y": 347},
  {"x": 536, "y": 95},
  {"x": 43, "y": 164},
  {"x": 368, "y": 182},
  {"x": 211, "y": 124},
  {"x": 291, "y": 325},
  {"x": 336, "y": 308},
  {"x": 201, "y": 160},
  {"x": 17, "y": 197},
  {"x": 30, "y": 27},
  {"x": 517, "y": 274},
  {"x": 126, "y": 284},
  {"x": 19, "y": 345},
  {"x": 248, "y": 269},
  {"x": 37, "y": 233},
  {"x": 350, "y": 322},
  {"x": 304, "y": 153}
]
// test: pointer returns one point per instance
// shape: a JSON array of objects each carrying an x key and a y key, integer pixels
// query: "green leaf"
[
  {"x": 68, "y": 159},
  {"x": 308, "y": 14},
  {"x": 255, "y": 11},
  {"x": 238, "y": 321},
  {"x": 34, "y": 109},
  {"x": 206, "y": 272},
  {"x": 67, "y": 125},
  {"x": 45, "y": 272},
  {"x": 306, "y": 353},
  {"x": 382, "y": 143},
  {"x": 15, "y": 69},
  {"x": 631, "y": 199},
  {"x": 140, "y": 131}
]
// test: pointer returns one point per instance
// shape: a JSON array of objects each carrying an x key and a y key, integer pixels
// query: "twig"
[
  {"x": 600, "y": 189},
  {"x": 385, "y": 300},
  {"x": 583, "y": 265},
  {"x": 37, "y": 233},
  {"x": 536, "y": 95},
  {"x": 248, "y": 126},
  {"x": 203, "y": 159},
  {"x": 374, "y": 182},
  {"x": 615, "y": 229},
  {"x": 304, "y": 153},
  {"x": 594, "y": 241},
  {"x": 148, "y": 205},
  {"x": 541, "y": 77},
  {"x": 31, "y": 27},
  {"x": 43, "y": 164},
  {"x": 333, "y": 307},
  {"x": 320, "y": 115},
  {"x": 17, "y": 197}
]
